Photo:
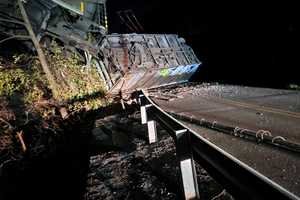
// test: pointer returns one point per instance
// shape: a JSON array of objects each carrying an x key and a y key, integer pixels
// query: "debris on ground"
[{"x": 135, "y": 169}]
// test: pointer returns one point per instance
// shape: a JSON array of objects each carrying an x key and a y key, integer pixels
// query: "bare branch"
[
  {"x": 20, "y": 37},
  {"x": 20, "y": 137},
  {"x": 7, "y": 123},
  {"x": 12, "y": 21},
  {"x": 6, "y": 162}
]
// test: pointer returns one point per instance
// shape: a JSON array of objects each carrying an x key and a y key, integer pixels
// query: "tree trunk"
[{"x": 38, "y": 48}]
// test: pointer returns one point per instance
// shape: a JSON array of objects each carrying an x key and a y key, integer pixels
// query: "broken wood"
[
  {"x": 20, "y": 137},
  {"x": 20, "y": 37},
  {"x": 7, "y": 123},
  {"x": 63, "y": 112}
]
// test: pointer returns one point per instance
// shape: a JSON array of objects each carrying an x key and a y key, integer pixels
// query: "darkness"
[{"x": 251, "y": 44}]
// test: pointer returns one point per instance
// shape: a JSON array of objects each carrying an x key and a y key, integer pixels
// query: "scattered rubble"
[{"x": 135, "y": 169}]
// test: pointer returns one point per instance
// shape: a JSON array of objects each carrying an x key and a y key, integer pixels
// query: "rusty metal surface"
[{"x": 147, "y": 60}]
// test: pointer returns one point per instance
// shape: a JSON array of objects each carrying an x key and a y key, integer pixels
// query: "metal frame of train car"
[{"x": 59, "y": 20}]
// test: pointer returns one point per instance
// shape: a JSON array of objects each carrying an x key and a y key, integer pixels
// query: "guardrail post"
[
  {"x": 140, "y": 97},
  {"x": 144, "y": 116},
  {"x": 187, "y": 165},
  {"x": 217, "y": 161},
  {"x": 152, "y": 133},
  {"x": 123, "y": 104},
  {"x": 143, "y": 105}
]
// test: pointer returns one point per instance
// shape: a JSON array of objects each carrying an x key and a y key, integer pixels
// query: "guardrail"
[{"x": 239, "y": 179}]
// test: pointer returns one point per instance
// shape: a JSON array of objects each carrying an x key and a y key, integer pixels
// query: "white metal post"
[
  {"x": 187, "y": 165},
  {"x": 152, "y": 131},
  {"x": 144, "y": 113}
]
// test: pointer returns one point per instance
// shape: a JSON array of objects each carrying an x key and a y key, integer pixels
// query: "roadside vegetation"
[{"x": 32, "y": 114}]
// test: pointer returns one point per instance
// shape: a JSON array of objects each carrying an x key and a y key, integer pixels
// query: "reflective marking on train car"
[
  {"x": 174, "y": 71},
  {"x": 164, "y": 72}
]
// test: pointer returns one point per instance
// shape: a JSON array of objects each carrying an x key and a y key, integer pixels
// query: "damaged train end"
[{"x": 140, "y": 61}]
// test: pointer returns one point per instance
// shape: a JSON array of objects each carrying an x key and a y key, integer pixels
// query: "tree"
[{"x": 37, "y": 46}]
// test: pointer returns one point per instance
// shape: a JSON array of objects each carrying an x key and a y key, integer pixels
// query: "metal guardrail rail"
[{"x": 239, "y": 179}]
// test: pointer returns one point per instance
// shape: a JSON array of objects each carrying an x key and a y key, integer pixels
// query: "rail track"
[{"x": 268, "y": 152}]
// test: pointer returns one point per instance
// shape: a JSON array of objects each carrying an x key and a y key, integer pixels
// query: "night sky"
[{"x": 251, "y": 44}]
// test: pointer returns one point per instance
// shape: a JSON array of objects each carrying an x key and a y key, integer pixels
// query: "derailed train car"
[
  {"x": 125, "y": 62},
  {"x": 147, "y": 60}
]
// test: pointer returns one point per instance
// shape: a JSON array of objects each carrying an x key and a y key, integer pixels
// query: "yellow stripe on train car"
[{"x": 82, "y": 6}]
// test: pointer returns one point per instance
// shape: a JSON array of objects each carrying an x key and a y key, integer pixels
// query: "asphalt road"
[{"x": 277, "y": 111}]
